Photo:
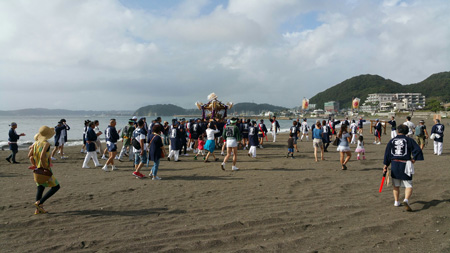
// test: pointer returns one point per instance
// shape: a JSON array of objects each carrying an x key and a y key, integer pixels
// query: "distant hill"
[
  {"x": 436, "y": 86},
  {"x": 170, "y": 109},
  {"x": 60, "y": 112},
  {"x": 253, "y": 108},
  {"x": 358, "y": 86}
]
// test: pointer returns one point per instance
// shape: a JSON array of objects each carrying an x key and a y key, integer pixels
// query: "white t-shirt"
[
  {"x": 411, "y": 127},
  {"x": 210, "y": 133},
  {"x": 138, "y": 136},
  {"x": 304, "y": 127},
  {"x": 360, "y": 144}
]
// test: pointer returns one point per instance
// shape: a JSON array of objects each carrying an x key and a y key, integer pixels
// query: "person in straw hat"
[{"x": 40, "y": 152}]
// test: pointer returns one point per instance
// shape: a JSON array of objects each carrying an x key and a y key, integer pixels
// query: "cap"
[
  {"x": 134, "y": 118},
  {"x": 13, "y": 124}
]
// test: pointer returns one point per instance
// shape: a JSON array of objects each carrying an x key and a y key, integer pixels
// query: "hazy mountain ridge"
[
  {"x": 60, "y": 112},
  {"x": 437, "y": 86}
]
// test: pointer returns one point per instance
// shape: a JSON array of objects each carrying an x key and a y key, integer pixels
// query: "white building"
[{"x": 396, "y": 101}]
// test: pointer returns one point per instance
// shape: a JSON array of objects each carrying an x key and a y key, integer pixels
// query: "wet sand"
[{"x": 273, "y": 203}]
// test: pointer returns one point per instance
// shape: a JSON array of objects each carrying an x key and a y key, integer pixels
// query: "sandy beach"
[{"x": 273, "y": 204}]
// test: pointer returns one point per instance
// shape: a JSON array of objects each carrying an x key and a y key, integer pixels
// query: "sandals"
[{"x": 39, "y": 208}]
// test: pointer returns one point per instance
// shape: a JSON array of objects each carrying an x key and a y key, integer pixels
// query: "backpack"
[{"x": 419, "y": 131}]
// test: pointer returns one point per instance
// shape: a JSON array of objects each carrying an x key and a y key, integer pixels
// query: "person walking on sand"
[
  {"x": 40, "y": 152},
  {"x": 393, "y": 124},
  {"x": 112, "y": 136},
  {"x": 274, "y": 127},
  {"x": 253, "y": 139},
  {"x": 86, "y": 126},
  {"x": 377, "y": 132},
  {"x": 97, "y": 131},
  {"x": 140, "y": 153},
  {"x": 421, "y": 134},
  {"x": 290, "y": 146},
  {"x": 326, "y": 132},
  {"x": 127, "y": 135},
  {"x": 156, "y": 149},
  {"x": 361, "y": 125},
  {"x": 317, "y": 135},
  {"x": 60, "y": 139},
  {"x": 295, "y": 131},
  {"x": 175, "y": 141},
  {"x": 12, "y": 142},
  {"x": 411, "y": 127},
  {"x": 354, "y": 131},
  {"x": 401, "y": 153},
  {"x": 232, "y": 136},
  {"x": 244, "y": 131},
  {"x": 91, "y": 138},
  {"x": 210, "y": 141},
  {"x": 262, "y": 133},
  {"x": 343, "y": 147},
  {"x": 438, "y": 131},
  {"x": 305, "y": 130}
]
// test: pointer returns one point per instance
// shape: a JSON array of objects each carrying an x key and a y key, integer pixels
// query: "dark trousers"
[{"x": 40, "y": 192}]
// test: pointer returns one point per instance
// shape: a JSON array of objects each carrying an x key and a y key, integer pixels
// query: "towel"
[{"x": 409, "y": 168}]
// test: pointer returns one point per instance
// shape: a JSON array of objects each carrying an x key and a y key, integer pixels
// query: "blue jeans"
[
  {"x": 155, "y": 167},
  {"x": 138, "y": 158}
]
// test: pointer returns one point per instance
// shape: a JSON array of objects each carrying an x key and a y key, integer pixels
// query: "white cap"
[{"x": 134, "y": 117}]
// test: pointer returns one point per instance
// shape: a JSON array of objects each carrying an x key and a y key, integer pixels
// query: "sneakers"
[
  {"x": 195, "y": 157},
  {"x": 396, "y": 203},
  {"x": 104, "y": 158},
  {"x": 357, "y": 158},
  {"x": 234, "y": 168},
  {"x": 138, "y": 175},
  {"x": 53, "y": 159},
  {"x": 168, "y": 159},
  {"x": 64, "y": 157},
  {"x": 114, "y": 168},
  {"x": 156, "y": 178},
  {"x": 222, "y": 166},
  {"x": 374, "y": 142},
  {"x": 248, "y": 154},
  {"x": 222, "y": 154},
  {"x": 9, "y": 160},
  {"x": 105, "y": 168},
  {"x": 378, "y": 143},
  {"x": 85, "y": 167}
]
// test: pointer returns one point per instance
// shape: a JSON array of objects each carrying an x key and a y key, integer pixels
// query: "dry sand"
[{"x": 271, "y": 204}]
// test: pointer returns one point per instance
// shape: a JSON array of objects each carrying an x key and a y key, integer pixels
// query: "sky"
[{"x": 125, "y": 54}]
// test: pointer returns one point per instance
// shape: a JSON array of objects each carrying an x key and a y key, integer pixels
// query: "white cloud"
[{"x": 244, "y": 50}]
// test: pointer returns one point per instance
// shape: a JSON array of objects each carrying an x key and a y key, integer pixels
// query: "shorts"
[
  {"x": 290, "y": 150},
  {"x": 317, "y": 143},
  {"x": 295, "y": 140},
  {"x": 112, "y": 147},
  {"x": 343, "y": 148},
  {"x": 138, "y": 158},
  {"x": 402, "y": 183},
  {"x": 420, "y": 140},
  {"x": 245, "y": 135},
  {"x": 231, "y": 143}
]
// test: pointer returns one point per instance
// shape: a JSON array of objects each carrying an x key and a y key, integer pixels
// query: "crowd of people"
[{"x": 144, "y": 141}]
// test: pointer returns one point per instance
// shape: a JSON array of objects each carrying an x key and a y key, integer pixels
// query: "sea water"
[{"x": 29, "y": 125}]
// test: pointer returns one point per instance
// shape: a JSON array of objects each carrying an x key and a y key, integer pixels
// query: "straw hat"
[{"x": 45, "y": 133}]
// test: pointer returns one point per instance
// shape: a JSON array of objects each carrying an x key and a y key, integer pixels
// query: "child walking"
[
  {"x": 290, "y": 146},
  {"x": 360, "y": 148},
  {"x": 201, "y": 147}
]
